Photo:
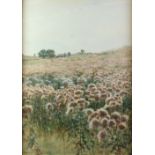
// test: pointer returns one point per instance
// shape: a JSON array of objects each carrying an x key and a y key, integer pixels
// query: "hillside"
[{"x": 83, "y": 63}]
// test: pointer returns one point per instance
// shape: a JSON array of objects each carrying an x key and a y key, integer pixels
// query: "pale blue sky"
[{"x": 71, "y": 25}]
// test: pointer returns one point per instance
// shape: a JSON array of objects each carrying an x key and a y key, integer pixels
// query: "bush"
[{"x": 46, "y": 53}]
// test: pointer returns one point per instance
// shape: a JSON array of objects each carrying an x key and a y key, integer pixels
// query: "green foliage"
[
  {"x": 127, "y": 104},
  {"x": 96, "y": 105},
  {"x": 46, "y": 79},
  {"x": 78, "y": 131},
  {"x": 69, "y": 54},
  {"x": 73, "y": 125},
  {"x": 42, "y": 53},
  {"x": 32, "y": 139},
  {"x": 82, "y": 51},
  {"x": 50, "y": 53},
  {"x": 117, "y": 140},
  {"x": 46, "y": 53}
]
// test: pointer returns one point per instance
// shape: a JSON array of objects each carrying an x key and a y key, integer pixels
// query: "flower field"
[{"x": 78, "y": 105}]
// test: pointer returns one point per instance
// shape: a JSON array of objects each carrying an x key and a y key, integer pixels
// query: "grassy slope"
[{"x": 84, "y": 63}]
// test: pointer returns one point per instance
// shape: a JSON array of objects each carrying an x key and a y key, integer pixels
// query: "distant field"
[{"x": 84, "y": 63}]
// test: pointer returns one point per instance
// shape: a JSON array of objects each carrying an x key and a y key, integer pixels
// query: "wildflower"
[
  {"x": 87, "y": 92},
  {"x": 108, "y": 99},
  {"x": 76, "y": 97},
  {"x": 78, "y": 92},
  {"x": 27, "y": 109},
  {"x": 112, "y": 103},
  {"x": 109, "y": 95},
  {"x": 81, "y": 106},
  {"x": 71, "y": 99},
  {"x": 104, "y": 122},
  {"x": 112, "y": 123},
  {"x": 49, "y": 106},
  {"x": 93, "y": 89},
  {"x": 123, "y": 93},
  {"x": 97, "y": 92},
  {"x": 71, "y": 90},
  {"x": 88, "y": 111},
  {"x": 124, "y": 118},
  {"x": 71, "y": 104},
  {"x": 109, "y": 89},
  {"x": 97, "y": 96},
  {"x": 103, "y": 91},
  {"x": 103, "y": 96},
  {"x": 116, "y": 115},
  {"x": 87, "y": 103},
  {"x": 91, "y": 85},
  {"x": 59, "y": 104},
  {"x": 69, "y": 110},
  {"x": 116, "y": 89},
  {"x": 102, "y": 112},
  {"x": 120, "y": 99},
  {"x": 91, "y": 116},
  {"x": 101, "y": 135},
  {"x": 122, "y": 126},
  {"x": 108, "y": 116},
  {"x": 107, "y": 107},
  {"x": 92, "y": 99},
  {"x": 81, "y": 100},
  {"x": 94, "y": 124}
]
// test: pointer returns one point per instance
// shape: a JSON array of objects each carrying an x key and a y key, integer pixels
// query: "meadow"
[{"x": 78, "y": 105}]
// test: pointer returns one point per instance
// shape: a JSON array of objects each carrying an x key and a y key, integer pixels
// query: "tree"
[
  {"x": 82, "y": 51},
  {"x": 69, "y": 54},
  {"x": 46, "y": 53},
  {"x": 50, "y": 53},
  {"x": 42, "y": 53}
]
